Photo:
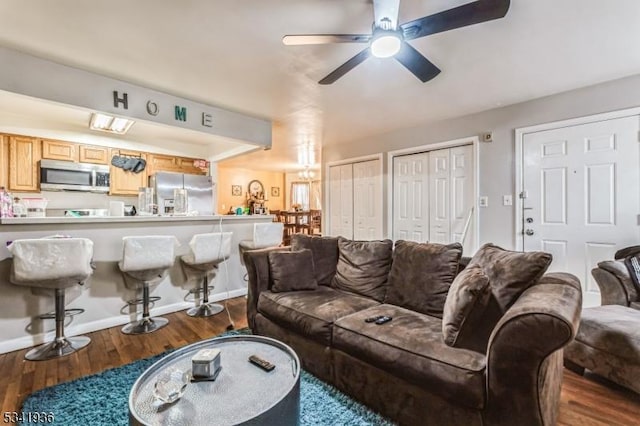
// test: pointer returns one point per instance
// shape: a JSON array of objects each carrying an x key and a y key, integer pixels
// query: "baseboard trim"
[{"x": 101, "y": 324}]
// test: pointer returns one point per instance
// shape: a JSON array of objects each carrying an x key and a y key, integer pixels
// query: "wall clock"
[{"x": 256, "y": 189}]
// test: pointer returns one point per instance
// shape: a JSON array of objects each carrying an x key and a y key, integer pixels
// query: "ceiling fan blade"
[
  {"x": 346, "y": 67},
  {"x": 294, "y": 40},
  {"x": 413, "y": 60},
  {"x": 461, "y": 16},
  {"x": 386, "y": 9}
]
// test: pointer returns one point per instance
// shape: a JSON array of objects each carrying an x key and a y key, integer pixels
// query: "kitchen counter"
[
  {"x": 104, "y": 295},
  {"x": 126, "y": 219}
]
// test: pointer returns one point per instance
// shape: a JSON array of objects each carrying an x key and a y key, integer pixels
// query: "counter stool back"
[
  {"x": 57, "y": 264},
  {"x": 146, "y": 259},
  {"x": 264, "y": 235},
  {"x": 208, "y": 251}
]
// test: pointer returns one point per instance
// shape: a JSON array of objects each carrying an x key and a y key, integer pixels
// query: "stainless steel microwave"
[{"x": 69, "y": 176}]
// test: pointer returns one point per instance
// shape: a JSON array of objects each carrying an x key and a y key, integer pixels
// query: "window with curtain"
[{"x": 300, "y": 194}]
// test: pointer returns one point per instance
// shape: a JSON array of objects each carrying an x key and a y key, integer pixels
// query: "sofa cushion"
[
  {"x": 466, "y": 322},
  {"x": 311, "y": 313},
  {"x": 510, "y": 273},
  {"x": 325, "y": 254},
  {"x": 421, "y": 275},
  {"x": 612, "y": 329},
  {"x": 411, "y": 347},
  {"x": 363, "y": 267},
  {"x": 292, "y": 270}
]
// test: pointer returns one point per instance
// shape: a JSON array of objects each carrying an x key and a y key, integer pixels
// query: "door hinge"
[{"x": 523, "y": 195}]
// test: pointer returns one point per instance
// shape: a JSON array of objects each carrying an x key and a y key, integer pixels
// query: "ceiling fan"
[{"x": 388, "y": 39}]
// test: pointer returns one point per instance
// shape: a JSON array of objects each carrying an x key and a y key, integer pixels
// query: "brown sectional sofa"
[
  {"x": 404, "y": 369},
  {"x": 608, "y": 340}
]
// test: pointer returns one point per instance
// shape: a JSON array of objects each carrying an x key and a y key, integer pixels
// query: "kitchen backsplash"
[{"x": 58, "y": 201}]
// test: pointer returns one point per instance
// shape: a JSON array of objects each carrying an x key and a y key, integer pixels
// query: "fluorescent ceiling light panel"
[{"x": 109, "y": 123}]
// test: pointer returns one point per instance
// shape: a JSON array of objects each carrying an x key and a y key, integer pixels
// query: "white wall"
[{"x": 497, "y": 159}]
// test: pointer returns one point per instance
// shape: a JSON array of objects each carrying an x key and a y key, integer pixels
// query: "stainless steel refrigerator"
[{"x": 200, "y": 194}]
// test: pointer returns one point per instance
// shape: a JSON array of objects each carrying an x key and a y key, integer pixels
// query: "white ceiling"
[{"x": 229, "y": 53}]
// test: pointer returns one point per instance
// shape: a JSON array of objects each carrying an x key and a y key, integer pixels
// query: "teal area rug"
[{"x": 102, "y": 399}]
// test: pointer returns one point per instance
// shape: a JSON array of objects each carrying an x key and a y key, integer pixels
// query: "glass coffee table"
[{"x": 242, "y": 393}]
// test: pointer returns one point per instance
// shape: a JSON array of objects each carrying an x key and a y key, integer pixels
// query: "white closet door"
[
  {"x": 410, "y": 197},
  {"x": 366, "y": 196},
  {"x": 341, "y": 200},
  {"x": 439, "y": 196},
  {"x": 462, "y": 196}
]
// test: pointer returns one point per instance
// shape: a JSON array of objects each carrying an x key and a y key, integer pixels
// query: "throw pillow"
[
  {"x": 510, "y": 272},
  {"x": 324, "y": 251},
  {"x": 363, "y": 267},
  {"x": 470, "y": 313},
  {"x": 292, "y": 271},
  {"x": 421, "y": 275}
]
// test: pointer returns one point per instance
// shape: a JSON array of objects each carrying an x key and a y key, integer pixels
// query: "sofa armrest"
[
  {"x": 614, "y": 281},
  {"x": 259, "y": 279},
  {"x": 524, "y": 357}
]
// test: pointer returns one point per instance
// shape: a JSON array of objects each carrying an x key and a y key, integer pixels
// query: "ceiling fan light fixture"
[{"x": 385, "y": 43}]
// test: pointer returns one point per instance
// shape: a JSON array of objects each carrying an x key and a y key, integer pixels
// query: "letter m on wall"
[{"x": 181, "y": 113}]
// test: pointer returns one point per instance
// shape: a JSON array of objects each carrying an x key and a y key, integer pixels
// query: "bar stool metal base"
[
  {"x": 145, "y": 325},
  {"x": 205, "y": 310},
  {"x": 58, "y": 348}
]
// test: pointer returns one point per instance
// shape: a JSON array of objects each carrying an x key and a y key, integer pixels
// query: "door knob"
[
  {"x": 529, "y": 220},
  {"x": 529, "y": 232}
]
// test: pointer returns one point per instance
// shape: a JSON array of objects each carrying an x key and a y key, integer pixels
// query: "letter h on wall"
[{"x": 123, "y": 100}]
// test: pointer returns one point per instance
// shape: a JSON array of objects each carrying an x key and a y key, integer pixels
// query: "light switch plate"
[
  {"x": 484, "y": 201},
  {"x": 507, "y": 200}
]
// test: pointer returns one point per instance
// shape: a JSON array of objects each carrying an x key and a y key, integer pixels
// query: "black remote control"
[
  {"x": 373, "y": 319},
  {"x": 265, "y": 365},
  {"x": 382, "y": 320}
]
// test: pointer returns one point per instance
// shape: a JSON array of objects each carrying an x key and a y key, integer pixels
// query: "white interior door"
[
  {"x": 463, "y": 197},
  {"x": 582, "y": 195},
  {"x": 411, "y": 197},
  {"x": 439, "y": 196},
  {"x": 367, "y": 193}
]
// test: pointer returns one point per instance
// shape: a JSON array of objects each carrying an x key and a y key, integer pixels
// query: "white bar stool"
[
  {"x": 264, "y": 235},
  {"x": 146, "y": 259},
  {"x": 207, "y": 252},
  {"x": 53, "y": 263}
]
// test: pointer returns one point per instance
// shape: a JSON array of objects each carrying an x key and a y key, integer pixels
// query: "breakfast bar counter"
[{"x": 104, "y": 295}]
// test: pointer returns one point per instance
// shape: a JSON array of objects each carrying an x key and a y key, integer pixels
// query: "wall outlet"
[
  {"x": 484, "y": 201},
  {"x": 507, "y": 200}
]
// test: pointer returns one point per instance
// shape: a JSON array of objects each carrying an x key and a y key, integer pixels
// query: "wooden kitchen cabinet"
[
  {"x": 4, "y": 161},
  {"x": 124, "y": 182},
  {"x": 24, "y": 170},
  {"x": 170, "y": 163},
  {"x": 185, "y": 165},
  {"x": 161, "y": 163},
  {"x": 59, "y": 150},
  {"x": 94, "y": 154}
]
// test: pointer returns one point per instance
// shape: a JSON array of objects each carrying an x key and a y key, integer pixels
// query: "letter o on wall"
[{"x": 152, "y": 108}]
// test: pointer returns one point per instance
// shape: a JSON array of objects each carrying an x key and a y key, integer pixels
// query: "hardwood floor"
[{"x": 584, "y": 400}]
